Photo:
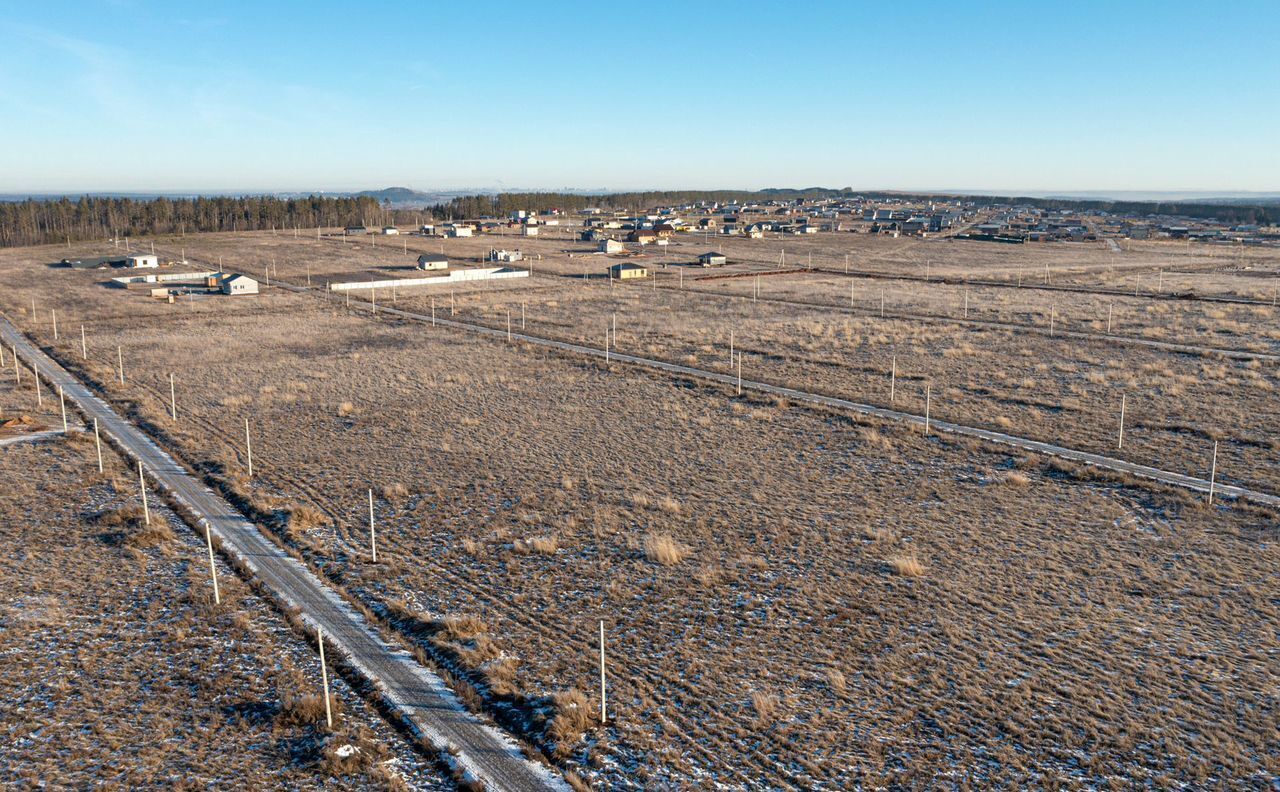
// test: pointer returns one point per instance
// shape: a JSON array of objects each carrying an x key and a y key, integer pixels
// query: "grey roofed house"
[
  {"x": 712, "y": 259},
  {"x": 430, "y": 261},
  {"x": 238, "y": 284}
]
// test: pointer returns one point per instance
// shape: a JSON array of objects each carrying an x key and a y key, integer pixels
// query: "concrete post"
[
  {"x": 213, "y": 569},
  {"x": 373, "y": 539},
  {"x": 324, "y": 678},
  {"x": 248, "y": 447},
  {"x": 603, "y": 709},
  {"x": 142, "y": 485}
]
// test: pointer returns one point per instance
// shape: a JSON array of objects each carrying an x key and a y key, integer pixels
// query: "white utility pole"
[
  {"x": 213, "y": 569},
  {"x": 248, "y": 447},
  {"x": 97, "y": 442},
  {"x": 142, "y": 484},
  {"x": 373, "y": 539},
  {"x": 603, "y": 710},
  {"x": 324, "y": 678}
]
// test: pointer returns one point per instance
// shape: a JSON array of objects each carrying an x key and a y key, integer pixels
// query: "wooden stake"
[
  {"x": 324, "y": 678},
  {"x": 373, "y": 538},
  {"x": 1052, "y": 315},
  {"x": 84, "y": 347},
  {"x": 739, "y": 373},
  {"x": 508, "y": 325},
  {"x": 893, "y": 377},
  {"x": 142, "y": 485},
  {"x": 1120, "y": 436},
  {"x": 35, "y": 374},
  {"x": 927, "y": 389},
  {"x": 213, "y": 569},
  {"x": 120, "y": 361},
  {"x": 603, "y": 710},
  {"x": 522, "y": 316},
  {"x": 173, "y": 399},
  {"x": 1110, "y": 305},
  {"x": 966, "y": 303},
  {"x": 730, "y": 346},
  {"x": 17, "y": 370},
  {"x": 248, "y": 447},
  {"x": 54, "y": 314},
  {"x": 62, "y": 404},
  {"x": 1213, "y": 471},
  {"x": 97, "y": 443},
  {"x": 606, "y": 344}
]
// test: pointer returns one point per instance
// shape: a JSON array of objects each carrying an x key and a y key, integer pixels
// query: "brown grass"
[
  {"x": 661, "y": 548},
  {"x": 906, "y": 566}
]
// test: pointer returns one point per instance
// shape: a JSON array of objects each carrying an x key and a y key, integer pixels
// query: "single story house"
[
  {"x": 627, "y": 270},
  {"x": 239, "y": 284},
  {"x": 390, "y": 231},
  {"x": 433, "y": 261},
  {"x": 140, "y": 260},
  {"x": 355, "y": 230},
  {"x": 642, "y": 236},
  {"x": 712, "y": 259},
  {"x": 611, "y": 246}
]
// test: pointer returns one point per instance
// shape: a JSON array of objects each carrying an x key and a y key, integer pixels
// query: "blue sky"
[{"x": 951, "y": 95}]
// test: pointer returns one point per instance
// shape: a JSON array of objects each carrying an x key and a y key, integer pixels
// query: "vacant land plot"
[
  {"x": 790, "y": 597},
  {"x": 121, "y": 670}
]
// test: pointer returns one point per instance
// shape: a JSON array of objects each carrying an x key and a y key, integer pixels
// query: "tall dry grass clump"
[
  {"x": 661, "y": 548},
  {"x": 906, "y": 566}
]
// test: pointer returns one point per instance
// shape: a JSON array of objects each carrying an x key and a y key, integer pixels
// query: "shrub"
[
  {"x": 765, "y": 705},
  {"x": 303, "y": 517},
  {"x": 663, "y": 549},
  {"x": 546, "y": 545},
  {"x": 906, "y": 566},
  {"x": 573, "y": 716}
]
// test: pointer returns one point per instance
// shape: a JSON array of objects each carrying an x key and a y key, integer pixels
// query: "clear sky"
[{"x": 1016, "y": 96}]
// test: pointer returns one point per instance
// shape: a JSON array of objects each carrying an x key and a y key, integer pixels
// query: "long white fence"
[{"x": 456, "y": 276}]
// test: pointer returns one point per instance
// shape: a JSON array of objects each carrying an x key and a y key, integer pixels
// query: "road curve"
[
  {"x": 421, "y": 698},
  {"x": 1085, "y": 457}
]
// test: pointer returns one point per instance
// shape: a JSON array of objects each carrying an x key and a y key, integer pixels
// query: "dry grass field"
[
  {"x": 120, "y": 671},
  {"x": 791, "y": 597}
]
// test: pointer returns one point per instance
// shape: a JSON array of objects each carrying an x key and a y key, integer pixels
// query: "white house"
[
  {"x": 461, "y": 231},
  {"x": 433, "y": 261},
  {"x": 139, "y": 260},
  {"x": 530, "y": 230},
  {"x": 390, "y": 231},
  {"x": 239, "y": 284},
  {"x": 611, "y": 246}
]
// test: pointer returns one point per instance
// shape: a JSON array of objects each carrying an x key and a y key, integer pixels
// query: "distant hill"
[{"x": 406, "y": 198}]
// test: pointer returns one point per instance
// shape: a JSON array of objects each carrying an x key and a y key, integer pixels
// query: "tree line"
[{"x": 36, "y": 222}]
